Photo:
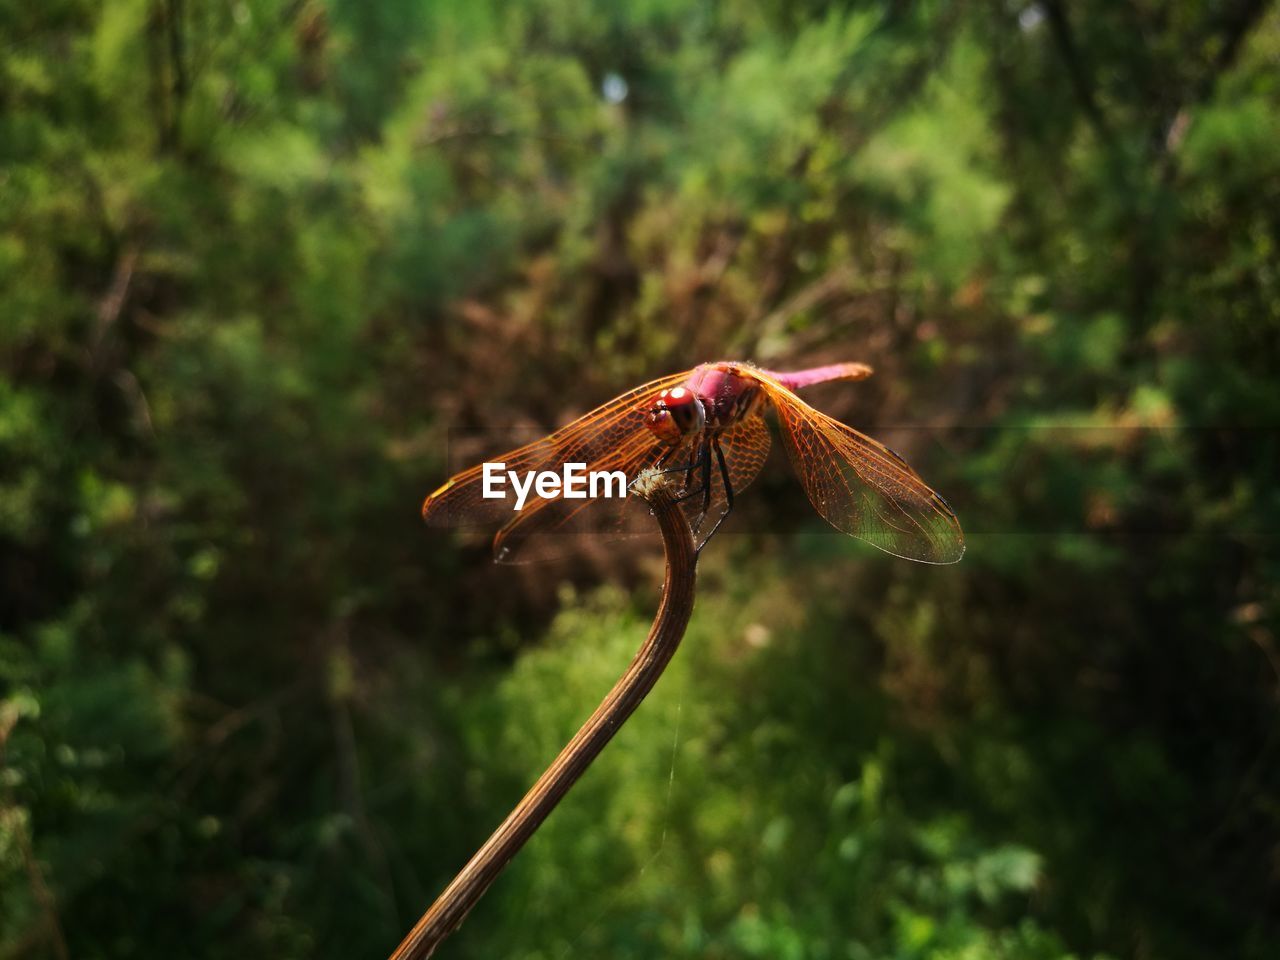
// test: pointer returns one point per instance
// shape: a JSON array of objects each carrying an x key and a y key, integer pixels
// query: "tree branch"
[
  {"x": 466, "y": 889},
  {"x": 1077, "y": 71}
]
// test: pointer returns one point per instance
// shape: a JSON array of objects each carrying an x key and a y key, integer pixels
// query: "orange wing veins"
[
  {"x": 863, "y": 488},
  {"x": 607, "y": 438}
]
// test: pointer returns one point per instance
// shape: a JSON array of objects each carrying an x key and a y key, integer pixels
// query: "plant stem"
[{"x": 466, "y": 889}]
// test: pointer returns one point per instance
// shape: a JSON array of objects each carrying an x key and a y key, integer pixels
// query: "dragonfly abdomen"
[{"x": 799, "y": 379}]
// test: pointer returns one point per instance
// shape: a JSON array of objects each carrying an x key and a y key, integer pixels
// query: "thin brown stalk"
[{"x": 466, "y": 889}]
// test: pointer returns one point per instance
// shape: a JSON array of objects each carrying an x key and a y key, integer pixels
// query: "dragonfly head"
[{"x": 675, "y": 414}]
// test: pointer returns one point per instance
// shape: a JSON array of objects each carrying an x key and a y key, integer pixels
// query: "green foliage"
[
  {"x": 692, "y": 828},
  {"x": 259, "y": 260}
]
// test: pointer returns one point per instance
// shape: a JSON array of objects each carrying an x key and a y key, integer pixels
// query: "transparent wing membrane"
[
  {"x": 552, "y": 527},
  {"x": 863, "y": 488},
  {"x": 611, "y": 437}
]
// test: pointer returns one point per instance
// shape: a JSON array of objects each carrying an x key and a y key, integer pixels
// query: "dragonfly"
[{"x": 707, "y": 426}]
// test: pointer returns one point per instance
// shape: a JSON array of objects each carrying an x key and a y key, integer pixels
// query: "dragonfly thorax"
[{"x": 675, "y": 414}]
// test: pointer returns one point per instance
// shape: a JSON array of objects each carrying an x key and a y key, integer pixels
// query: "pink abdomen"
[{"x": 798, "y": 379}]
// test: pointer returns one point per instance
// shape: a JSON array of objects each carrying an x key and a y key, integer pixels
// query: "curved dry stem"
[{"x": 452, "y": 906}]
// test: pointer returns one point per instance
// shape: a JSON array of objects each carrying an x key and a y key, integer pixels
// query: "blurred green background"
[{"x": 259, "y": 258}]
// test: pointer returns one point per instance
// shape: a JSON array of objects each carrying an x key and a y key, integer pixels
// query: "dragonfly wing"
[
  {"x": 461, "y": 501},
  {"x": 553, "y": 527},
  {"x": 610, "y": 437},
  {"x": 863, "y": 488},
  {"x": 746, "y": 447},
  {"x": 593, "y": 439}
]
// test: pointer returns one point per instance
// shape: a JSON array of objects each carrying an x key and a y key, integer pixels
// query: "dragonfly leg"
[
  {"x": 701, "y": 460},
  {"x": 686, "y": 468},
  {"x": 705, "y": 489},
  {"x": 728, "y": 494},
  {"x": 657, "y": 464}
]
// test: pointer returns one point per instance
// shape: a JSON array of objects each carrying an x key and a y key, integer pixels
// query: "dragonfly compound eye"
[{"x": 675, "y": 414}]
